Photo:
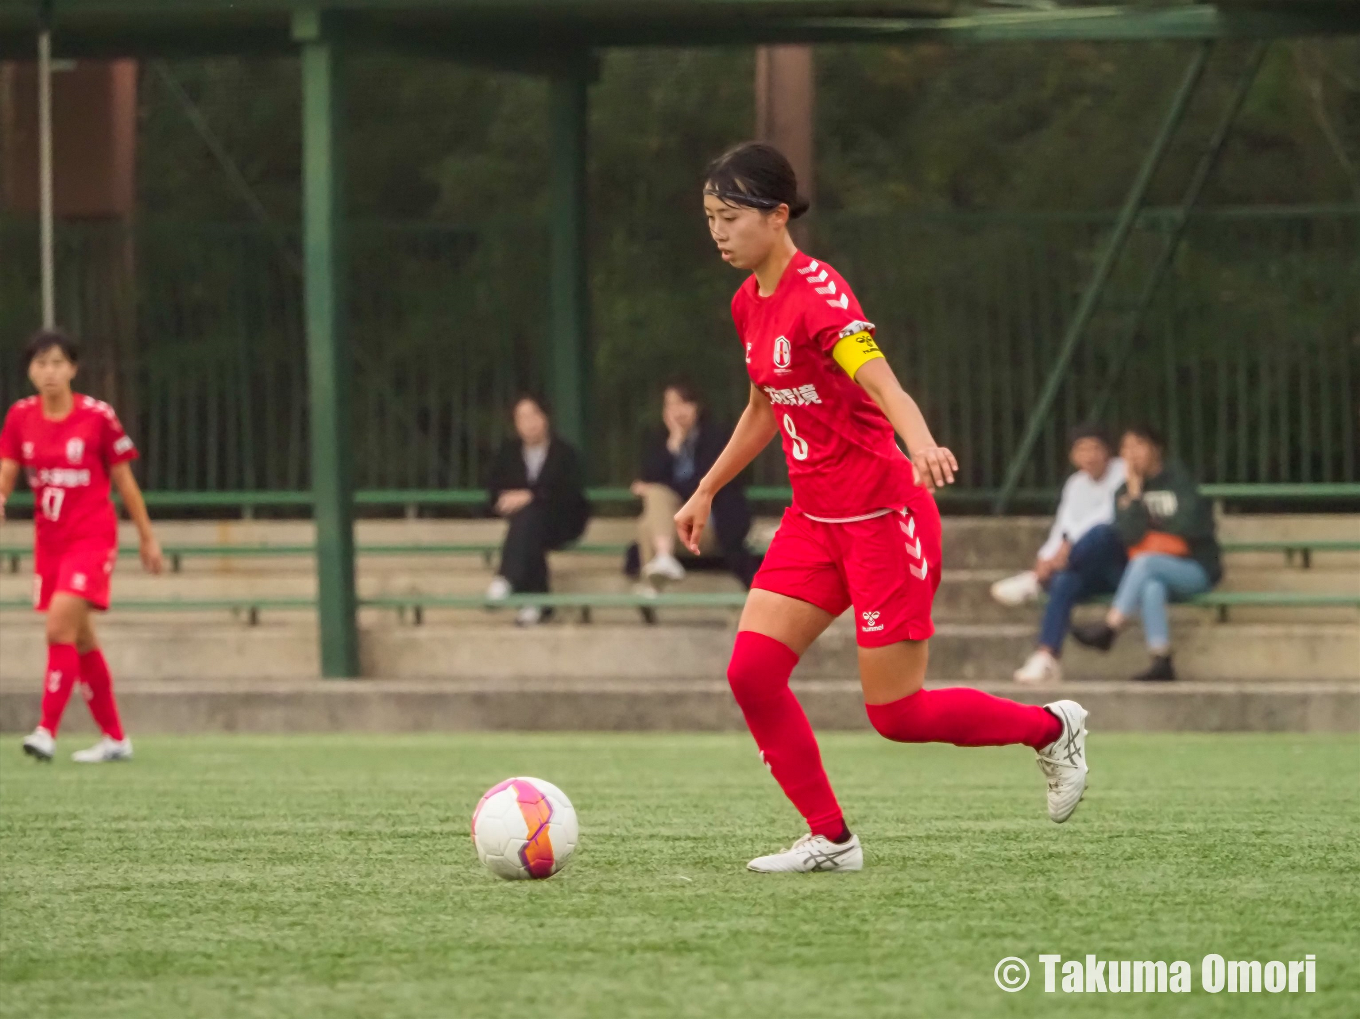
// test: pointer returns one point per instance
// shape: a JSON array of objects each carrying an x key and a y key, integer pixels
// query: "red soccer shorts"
[
  {"x": 82, "y": 568},
  {"x": 887, "y": 567}
]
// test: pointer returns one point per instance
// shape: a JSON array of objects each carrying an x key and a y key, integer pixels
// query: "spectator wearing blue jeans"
[
  {"x": 1168, "y": 528},
  {"x": 1082, "y": 557}
]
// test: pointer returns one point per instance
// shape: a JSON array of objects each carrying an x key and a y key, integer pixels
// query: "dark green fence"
[{"x": 1250, "y": 356}]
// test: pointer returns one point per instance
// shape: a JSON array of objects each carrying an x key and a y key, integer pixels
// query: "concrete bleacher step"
[
  {"x": 617, "y": 646},
  {"x": 404, "y": 705}
]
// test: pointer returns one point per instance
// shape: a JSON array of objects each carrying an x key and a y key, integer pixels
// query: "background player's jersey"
[
  {"x": 842, "y": 455},
  {"x": 68, "y": 464}
]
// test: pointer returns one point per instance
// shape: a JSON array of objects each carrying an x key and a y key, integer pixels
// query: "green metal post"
[
  {"x": 569, "y": 360},
  {"x": 1086, "y": 308},
  {"x": 1200, "y": 177},
  {"x": 329, "y": 361}
]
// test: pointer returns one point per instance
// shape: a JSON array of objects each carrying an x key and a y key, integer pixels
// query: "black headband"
[{"x": 742, "y": 198}]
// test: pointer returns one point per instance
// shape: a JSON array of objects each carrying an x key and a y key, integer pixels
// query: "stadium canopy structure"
[{"x": 559, "y": 39}]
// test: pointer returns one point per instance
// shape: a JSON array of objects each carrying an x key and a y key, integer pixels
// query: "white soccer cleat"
[
  {"x": 1017, "y": 590},
  {"x": 1063, "y": 761},
  {"x": 104, "y": 751},
  {"x": 665, "y": 567},
  {"x": 1040, "y": 668},
  {"x": 812, "y": 853},
  {"x": 529, "y": 615},
  {"x": 40, "y": 744},
  {"x": 498, "y": 589}
]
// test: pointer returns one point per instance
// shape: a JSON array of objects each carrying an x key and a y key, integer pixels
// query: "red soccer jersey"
[
  {"x": 68, "y": 464},
  {"x": 842, "y": 454}
]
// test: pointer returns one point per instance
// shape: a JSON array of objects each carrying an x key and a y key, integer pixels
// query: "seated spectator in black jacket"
[
  {"x": 673, "y": 462},
  {"x": 536, "y": 485}
]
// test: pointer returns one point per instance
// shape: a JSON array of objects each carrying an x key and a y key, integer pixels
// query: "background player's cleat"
[
  {"x": 1063, "y": 761},
  {"x": 105, "y": 750},
  {"x": 40, "y": 744},
  {"x": 812, "y": 853}
]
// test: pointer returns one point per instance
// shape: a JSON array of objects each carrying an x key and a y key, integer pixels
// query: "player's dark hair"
[
  {"x": 1089, "y": 430},
  {"x": 1148, "y": 433},
  {"x": 757, "y": 176},
  {"x": 44, "y": 340}
]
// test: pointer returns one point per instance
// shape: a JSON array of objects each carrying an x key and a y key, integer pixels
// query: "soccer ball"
[{"x": 524, "y": 828}]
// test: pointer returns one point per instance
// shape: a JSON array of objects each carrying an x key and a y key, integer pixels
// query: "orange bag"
[{"x": 1161, "y": 543}]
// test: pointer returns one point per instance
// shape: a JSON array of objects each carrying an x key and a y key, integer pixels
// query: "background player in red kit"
[
  {"x": 71, "y": 447},
  {"x": 863, "y": 531}
]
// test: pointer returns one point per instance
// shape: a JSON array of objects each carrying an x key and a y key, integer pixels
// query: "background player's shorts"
[
  {"x": 887, "y": 567},
  {"x": 82, "y": 568}
]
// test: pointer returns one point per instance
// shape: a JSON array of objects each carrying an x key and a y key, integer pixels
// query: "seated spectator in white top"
[{"x": 1082, "y": 558}]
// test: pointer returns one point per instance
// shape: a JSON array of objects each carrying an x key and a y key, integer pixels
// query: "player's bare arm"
[
  {"x": 753, "y": 433},
  {"x": 934, "y": 464},
  {"x": 131, "y": 494},
  {"x": 9, "y": 472}
]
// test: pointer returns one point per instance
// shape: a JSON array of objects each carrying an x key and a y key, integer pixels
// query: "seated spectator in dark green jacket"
[{"x": 1168, "y": 529}]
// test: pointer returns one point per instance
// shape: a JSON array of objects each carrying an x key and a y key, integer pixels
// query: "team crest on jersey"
[
  {"x": 783, "y": 354},
  {"x": 28, "y": 451},
  {"x": 75, "y": 450}
]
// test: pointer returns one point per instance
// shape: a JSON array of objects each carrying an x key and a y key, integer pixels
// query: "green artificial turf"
[{"x": 333, "y": 876}]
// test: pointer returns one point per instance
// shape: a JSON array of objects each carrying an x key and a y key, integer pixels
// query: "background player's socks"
[
  {"x": 759, "y": 675},
  {"x": 63, "y": 669},
  {"x": 94, "y": 670},
  {"x": 965, "y": 717}
]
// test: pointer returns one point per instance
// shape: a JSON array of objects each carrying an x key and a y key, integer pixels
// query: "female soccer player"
[
  {"x": 862, "y": 530},
  {"x": 72, "y": 446}
]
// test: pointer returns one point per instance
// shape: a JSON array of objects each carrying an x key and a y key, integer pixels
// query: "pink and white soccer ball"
[{"x": 524, "y": 829}]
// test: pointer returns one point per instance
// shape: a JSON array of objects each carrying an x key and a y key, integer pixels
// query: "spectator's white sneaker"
[
  {"x": 104, "y": 751},
  {"x": 1017, "y": 590},
  {"x": 529, "y": 615},
  {"x": 498, "y": 589},
  {"x": 1063, "y": 761},
  {"x": 665, "y": 567},
  {"x": 40, "y": 744},
  {"x": 1040, "y": 669},
  {"x": 812, "y": 853}
]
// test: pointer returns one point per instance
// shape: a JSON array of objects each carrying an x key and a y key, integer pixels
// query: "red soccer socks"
[
  {"x": 94, "y": 672},
  {"x": 759, "y": 676},
  {"x": 63, "y": 669},
  {"x": 965, "y": 717}
]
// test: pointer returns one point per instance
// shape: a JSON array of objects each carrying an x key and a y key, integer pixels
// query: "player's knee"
[
  {"x": 759, "y": 668},
  {"x": 61, "y": 629}
]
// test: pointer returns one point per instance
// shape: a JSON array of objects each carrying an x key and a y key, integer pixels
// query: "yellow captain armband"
[{"x": 855, "y": 351}]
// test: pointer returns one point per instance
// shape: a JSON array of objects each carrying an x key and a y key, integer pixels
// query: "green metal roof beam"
[{"x": 518, "y": 29}]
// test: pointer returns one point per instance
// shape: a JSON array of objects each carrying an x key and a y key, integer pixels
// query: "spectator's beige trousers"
[{"x": 659, "y": 506}]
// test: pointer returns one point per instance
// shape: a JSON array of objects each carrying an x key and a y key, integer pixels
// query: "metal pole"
[
  {"x": 1200, "y": 177},
  {"x": 1086, "y": 308},
  {"x": 45, "y": 199},
  {"x": 329, "y": 361},
  {"x": 569, "y": 361}
]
